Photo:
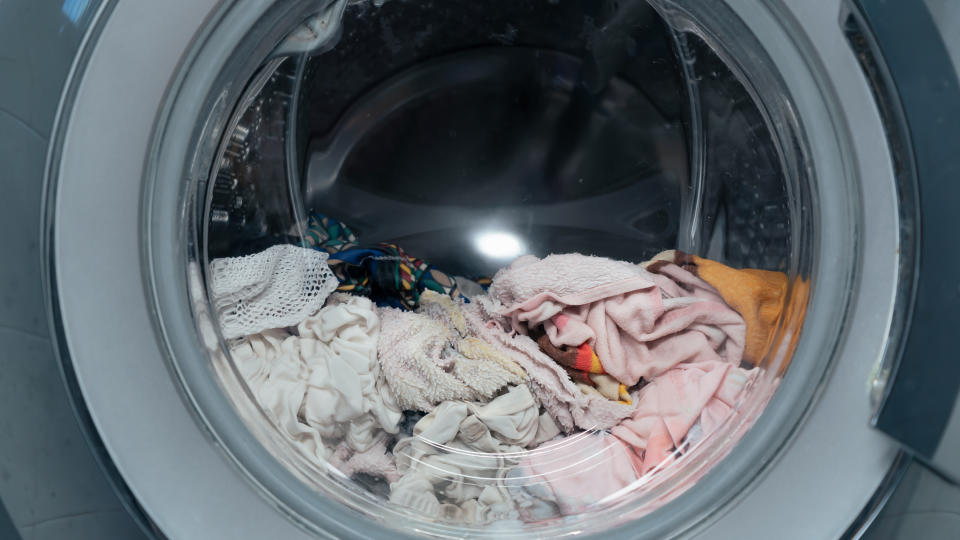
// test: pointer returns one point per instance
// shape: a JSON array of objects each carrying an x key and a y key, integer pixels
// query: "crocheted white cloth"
[{"x": 275, "y": 288}]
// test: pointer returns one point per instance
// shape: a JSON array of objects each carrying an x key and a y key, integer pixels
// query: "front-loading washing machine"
[{"x": 189, "y": 181}]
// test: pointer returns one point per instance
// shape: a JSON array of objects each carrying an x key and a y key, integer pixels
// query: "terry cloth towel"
[
  {"x": 322, "y": 386},
  {"x": 549, "y": 381},
  {"x": 384, "y": 272},
  {"x": 760, "y": 296},
  {"x": 452, "y": 468},
  {"x": 431, "y": 356},
  {"x": 275, "y": 288},
  {"x": 640, "y": 323},
  {"x": 568, "y": 475}
]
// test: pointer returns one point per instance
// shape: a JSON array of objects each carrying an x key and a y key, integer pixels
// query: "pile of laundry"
[{"x": 547, "y": 389}]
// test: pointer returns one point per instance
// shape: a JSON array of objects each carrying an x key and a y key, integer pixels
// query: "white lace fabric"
[{"x": 278, "y": 287}]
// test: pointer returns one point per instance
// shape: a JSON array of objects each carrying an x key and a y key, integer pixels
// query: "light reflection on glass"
[
  {"x": 499, "y": 244},
  {"x": 74, "y": 9}
]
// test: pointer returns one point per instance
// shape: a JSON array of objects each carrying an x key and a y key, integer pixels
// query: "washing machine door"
[
  {"x": 916, "y": 398},
  {"x": 153, "y": 140}
]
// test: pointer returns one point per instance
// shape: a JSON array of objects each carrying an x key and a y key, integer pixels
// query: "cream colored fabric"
[
  {"x": 452, "y": 468},
  {"x": 374, "y": 461},
  {"x": 430, "y": 356},
  {"x": 322, "y": 386}
]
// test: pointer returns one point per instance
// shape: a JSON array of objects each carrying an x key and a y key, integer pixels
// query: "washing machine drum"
[{"x": 502, "y": 268}]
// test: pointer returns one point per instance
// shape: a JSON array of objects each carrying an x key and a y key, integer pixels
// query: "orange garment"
[
  {"x": 759, "y": 296},
  {"x": 793, "y": 317},
  {"x": 586, "y": 360},
  {"x": 584, "y": 367},
  {"x": 581, "y": 358}
]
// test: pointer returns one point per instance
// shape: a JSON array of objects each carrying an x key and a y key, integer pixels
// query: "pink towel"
[
  {"x": 640, "y": 323},
  {"x": 580, "y": 470},
  {"x": 568, "y": 275},
  {"x": 670, "y": 405}
]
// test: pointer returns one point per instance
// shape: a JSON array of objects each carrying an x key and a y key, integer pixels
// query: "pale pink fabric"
[
  {"x": 572, "y": 473},
  {"x": 577, "y": 471},
  {"x": 639, "y": 323},
  {"x": 567, "y": 275},
  {"x": 670, "y": 405}
]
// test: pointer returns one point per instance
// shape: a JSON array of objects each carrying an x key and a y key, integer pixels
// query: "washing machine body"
[
  {"x": 811, "y": 138},
  {"x": 55, "y": 484}
]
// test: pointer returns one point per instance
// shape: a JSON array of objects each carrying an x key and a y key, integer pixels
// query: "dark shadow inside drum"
[
  {"x": 566, "y": 127},
  {"x": 501, "y": 139}
]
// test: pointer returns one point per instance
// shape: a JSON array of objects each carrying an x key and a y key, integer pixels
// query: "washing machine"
[{"x": 145, "y": 143}]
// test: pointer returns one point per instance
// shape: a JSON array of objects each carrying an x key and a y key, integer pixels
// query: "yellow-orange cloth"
[{"x": 759, "y": 296}]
